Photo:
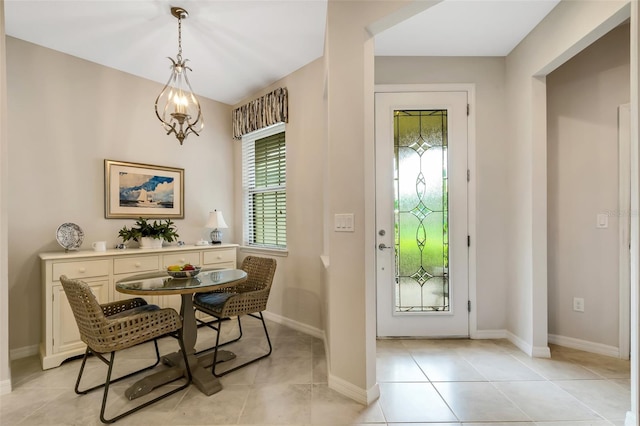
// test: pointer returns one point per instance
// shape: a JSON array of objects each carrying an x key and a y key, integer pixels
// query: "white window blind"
[{"x": 264, "y": 187}]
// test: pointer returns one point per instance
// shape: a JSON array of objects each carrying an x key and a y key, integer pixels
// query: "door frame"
[
  {"x": 624, "y": 236},
  {"x": 470, "y": 88}
]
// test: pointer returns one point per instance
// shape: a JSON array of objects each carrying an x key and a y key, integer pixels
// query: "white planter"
[{"x": 151, "y": 243}]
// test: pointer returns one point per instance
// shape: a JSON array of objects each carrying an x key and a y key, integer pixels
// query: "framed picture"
[{"x": 133, "y": 190}]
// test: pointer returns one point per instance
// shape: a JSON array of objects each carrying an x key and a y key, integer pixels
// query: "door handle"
[{"x": 382, "y": 246}]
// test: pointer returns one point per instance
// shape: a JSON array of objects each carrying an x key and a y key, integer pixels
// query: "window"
[{"x": 264, "y": 187}]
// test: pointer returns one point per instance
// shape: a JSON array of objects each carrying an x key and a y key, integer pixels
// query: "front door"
[{"x": 421, "y": 214}]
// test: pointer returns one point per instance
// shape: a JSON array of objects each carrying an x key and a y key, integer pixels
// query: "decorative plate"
[{"x": 69, "y": 236}]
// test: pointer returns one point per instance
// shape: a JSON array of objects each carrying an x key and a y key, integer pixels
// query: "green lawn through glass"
[{"x": 421, "y": 211}]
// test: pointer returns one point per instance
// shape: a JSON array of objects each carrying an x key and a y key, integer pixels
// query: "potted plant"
[{"x": 150, "y": 234}]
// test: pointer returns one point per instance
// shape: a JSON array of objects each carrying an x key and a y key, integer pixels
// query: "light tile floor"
[{"x": 432, "y": 382}]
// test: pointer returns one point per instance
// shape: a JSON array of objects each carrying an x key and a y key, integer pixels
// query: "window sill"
[{"x": 262, "y": 250}]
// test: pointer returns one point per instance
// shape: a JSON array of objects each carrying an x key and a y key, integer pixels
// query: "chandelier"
[{"x": 176, "y": 106}]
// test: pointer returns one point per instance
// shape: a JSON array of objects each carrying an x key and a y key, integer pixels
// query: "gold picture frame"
[{"x": 133, "y": 190}]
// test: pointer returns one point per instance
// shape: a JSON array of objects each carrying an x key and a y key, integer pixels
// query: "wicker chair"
[
  {"x": 115, "y": 326},
  {"x": 246, "y": 298}
]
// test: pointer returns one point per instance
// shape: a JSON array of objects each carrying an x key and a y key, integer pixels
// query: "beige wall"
[
  {"x": 583, "y": 97},
  {"x": 489, "y": 171},
  {"x": 349, "y": 52},
  {"x": 298, "y": 290},
  {"x": 330, "y": 110},
  {"x": 570, "y": 27},
  {"x": 66, "y": 116}
]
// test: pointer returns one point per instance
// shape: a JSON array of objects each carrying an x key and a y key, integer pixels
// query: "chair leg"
[
  {"x": 84, "y": 361},
  {"x": 104, "y": 360},
  {"x": 158, "y": 398},
  {"x": 108, "y": 380},
  {"x": 215, "y": 353}
]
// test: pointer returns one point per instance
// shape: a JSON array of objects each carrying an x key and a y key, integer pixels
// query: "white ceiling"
[
  {"x": 236, "y": 47},
  {"x": 464, "y": 28}
]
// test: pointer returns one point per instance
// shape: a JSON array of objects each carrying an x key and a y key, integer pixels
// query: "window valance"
[{"x": 269, "y": 109}]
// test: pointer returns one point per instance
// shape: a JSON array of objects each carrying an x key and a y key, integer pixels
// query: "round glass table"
[{"x": 160, "y": 283}]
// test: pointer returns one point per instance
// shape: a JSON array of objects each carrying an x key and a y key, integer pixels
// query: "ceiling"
[{"x": 237, "y": 47}]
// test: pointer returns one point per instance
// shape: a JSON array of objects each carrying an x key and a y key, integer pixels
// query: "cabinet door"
[
  {"x": 136, "y": 264},
  {"x": 222, "y": 258},
  {"x": 173, "y": 301},
  {"x": 180, "y": 259},
  {"x": 65, "y": 330}
]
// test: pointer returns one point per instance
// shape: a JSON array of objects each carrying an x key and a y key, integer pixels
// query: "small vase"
[{"x": 151, "y": 243}]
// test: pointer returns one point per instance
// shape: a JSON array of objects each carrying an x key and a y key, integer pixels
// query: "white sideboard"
[{"x": 101, "y": 270}]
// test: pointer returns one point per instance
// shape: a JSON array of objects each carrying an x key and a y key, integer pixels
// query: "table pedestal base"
[{"x": 201, "y": 374}]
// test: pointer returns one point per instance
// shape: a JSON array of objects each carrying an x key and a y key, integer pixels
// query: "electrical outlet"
[{"x": 578, "y": 304}]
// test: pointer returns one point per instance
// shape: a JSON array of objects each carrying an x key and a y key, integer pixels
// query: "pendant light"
[{"x": 176, "y": 106}]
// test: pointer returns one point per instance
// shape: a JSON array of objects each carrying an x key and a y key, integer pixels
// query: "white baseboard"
[
  {"x": 23, "y": 352},
  {"x": 489, "y": 334},
  {"x": 584, "y": 345},
  {"x": 521, "y": 344},
  {"x": 298, "y": 326},
  {"x": 630, "y": 419},
  {"x": 352, "y": 391},
  {"x": 544, "y": 351},
  {"x": 5, "y": 387},
  {"x": 337, "y": 384},
  {"x": 541, "y": 352},
  {"x": 532, "y": 351}
]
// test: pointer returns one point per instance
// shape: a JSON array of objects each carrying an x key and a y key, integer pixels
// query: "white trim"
[
  {"x": 298, "y": 326},
  {"x": 264, "y": 250},
  {"x": 471, "y": 207},
  {"x": 490, "y": 334},
  {"x": 349, "y": 390},
  {"x": 266, "y": 131},
  {"x": 533, "y": 351},
  {"x": 23, "y": 352},
  {"x": 470, "y": 88},
  {"x": 584, "y": 345},
  {"x": 5, "y": 387},
  {"x": 541, "y": 352},
  {"x": 446, "y": 87},
  {"x": 248, "y": 182},
  {"x": 335, "y": 383},
  {"x": 635, "y": 223},
  {"x": 630, "y": 420},
  {"x": 624, "y": 216}
]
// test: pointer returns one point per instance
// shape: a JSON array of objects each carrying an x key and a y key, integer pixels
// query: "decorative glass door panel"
[
  {"x": 421, "y": 206},
  {"x": 421, "y": 214}
]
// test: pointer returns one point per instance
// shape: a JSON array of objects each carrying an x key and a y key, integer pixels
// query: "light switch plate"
[
  {"x": 343, "y": 222},
  {"x": 602, "y": 220}
]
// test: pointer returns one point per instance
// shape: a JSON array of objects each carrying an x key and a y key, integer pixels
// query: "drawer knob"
[
  {"x": 219, "y": 257},
  {"x": 182, "y": 260},
  {"x": 137, "y": 265},
  {"x": 82, "y": 270}
]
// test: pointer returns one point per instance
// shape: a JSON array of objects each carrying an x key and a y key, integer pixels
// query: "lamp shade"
[{"x": 216, "y": 221}]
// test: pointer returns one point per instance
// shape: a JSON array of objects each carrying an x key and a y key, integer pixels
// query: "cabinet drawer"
[
  {"x": 86, "y": 269},
  {"x": 219, "y": 256},
  {"x": 181, "y": 259},
  {"x": 136, "y": 264}
]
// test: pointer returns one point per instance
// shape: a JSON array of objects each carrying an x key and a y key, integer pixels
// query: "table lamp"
[{"x": 216, "y": 222}]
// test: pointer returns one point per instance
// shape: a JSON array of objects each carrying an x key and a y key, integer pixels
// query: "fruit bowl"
[{"x": 185, "y": 273}]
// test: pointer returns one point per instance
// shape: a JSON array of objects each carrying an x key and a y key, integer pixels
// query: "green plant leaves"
[{"x": 164, "y": 229}]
